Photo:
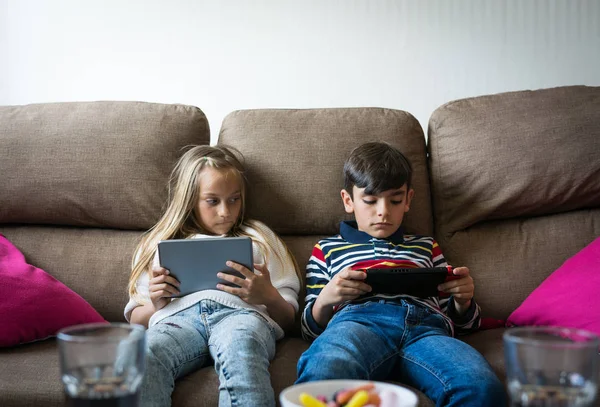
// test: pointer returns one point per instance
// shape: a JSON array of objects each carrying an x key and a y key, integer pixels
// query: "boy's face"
[{"x": 378, "y": 215}]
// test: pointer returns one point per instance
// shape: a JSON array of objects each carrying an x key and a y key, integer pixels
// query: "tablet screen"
[{"x": 196, "y": 262}]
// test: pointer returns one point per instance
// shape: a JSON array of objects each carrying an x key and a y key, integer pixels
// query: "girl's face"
[{"x": 220, "y": 200}]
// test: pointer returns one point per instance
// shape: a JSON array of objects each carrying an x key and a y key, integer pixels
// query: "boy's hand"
[
  {"x": 462, "y": 289},
  {"x": 346, "y": 285},
  {"x": 162, "y": 287}
]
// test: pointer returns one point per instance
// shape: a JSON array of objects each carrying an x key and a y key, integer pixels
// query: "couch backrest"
[
  {"x": 295, "y": 161},
  {"x": 515, "y": 181},
  {"x": 81, "y": 181}
]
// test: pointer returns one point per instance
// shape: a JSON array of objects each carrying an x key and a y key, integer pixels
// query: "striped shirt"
[{"x": 351, "y": 247}]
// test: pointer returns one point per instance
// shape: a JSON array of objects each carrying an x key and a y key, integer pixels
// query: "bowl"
[{"x": 290, "y": 397}]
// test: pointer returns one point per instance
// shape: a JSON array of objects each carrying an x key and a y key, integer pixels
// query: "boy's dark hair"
[{"x": 377, "y": 167}]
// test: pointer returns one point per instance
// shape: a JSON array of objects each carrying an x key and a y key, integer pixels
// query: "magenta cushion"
[
  {"x": 568, "y": 297},
  {"x": 33, "y": 304}
]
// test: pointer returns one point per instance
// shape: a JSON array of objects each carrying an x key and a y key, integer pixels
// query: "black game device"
[{"x": 418, "y": 282}]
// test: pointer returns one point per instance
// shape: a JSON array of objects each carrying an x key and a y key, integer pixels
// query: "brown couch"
[{"x": 509, "y": 184}]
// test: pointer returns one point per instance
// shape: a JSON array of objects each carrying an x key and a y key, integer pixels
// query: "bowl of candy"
[{"x": 347, "y": 393}]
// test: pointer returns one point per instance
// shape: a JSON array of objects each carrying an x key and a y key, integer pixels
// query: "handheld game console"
[{"x": 418, "y": 282}]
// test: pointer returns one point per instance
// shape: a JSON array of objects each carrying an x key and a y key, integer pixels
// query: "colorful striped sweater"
[{"x": 352, "y": 246}]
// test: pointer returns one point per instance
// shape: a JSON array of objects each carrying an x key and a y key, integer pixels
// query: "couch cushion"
[
  {"x": 295, "y": 161},
  {"x": 515, "y": 154},
  {"x": 31, "y": 375},
  {"x": 100, "y": 164},
  {"x": 515, "y": 181}
]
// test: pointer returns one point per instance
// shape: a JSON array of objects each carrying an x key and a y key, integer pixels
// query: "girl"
[{"x": 234, "y": 327}]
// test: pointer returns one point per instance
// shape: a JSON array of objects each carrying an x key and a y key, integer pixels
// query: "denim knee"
[
  {"x": 492, "y": 393},
  {"x": 486, "y": 390}
]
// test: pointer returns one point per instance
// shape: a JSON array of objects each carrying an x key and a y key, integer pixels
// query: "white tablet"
[{"x": 196, "y": 262}]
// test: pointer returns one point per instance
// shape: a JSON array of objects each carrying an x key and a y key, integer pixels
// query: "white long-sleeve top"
[{"x": 280, "y": 266}]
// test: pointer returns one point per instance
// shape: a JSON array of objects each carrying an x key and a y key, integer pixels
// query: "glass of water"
[
  {"x": 551, "y": 366},
  {"x": 102, "y": 364}
]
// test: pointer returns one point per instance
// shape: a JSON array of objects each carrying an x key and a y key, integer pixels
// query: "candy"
[
  {"x": 361, "y": 396},
  {"x": 359, "y": 399},
  {"x": 309, "y": 401},
  {"x": 374, "y": 398},
  {"x": 344, "y": 396}
]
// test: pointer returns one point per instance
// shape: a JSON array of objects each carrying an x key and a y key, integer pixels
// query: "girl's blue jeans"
[
  {"x": 239, "y": 342},
  {"x": 380, "y": 340}
]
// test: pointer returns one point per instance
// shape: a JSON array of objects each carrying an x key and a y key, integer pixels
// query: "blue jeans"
[
  {"x": 239, "y": 341},
  {"x": 379, "y": 340}
]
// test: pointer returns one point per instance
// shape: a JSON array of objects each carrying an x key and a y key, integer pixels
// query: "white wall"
[{"x": 241, "y": 54}]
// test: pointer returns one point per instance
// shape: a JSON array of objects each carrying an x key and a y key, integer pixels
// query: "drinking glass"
[
  {"x": 551, "y": 366},
  {"x": 102, "y": 364}
]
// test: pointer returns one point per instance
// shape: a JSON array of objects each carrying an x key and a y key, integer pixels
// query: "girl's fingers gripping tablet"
[
  {"x": 238, "y": 267},
  {"x": 158, "y": 270},
  {"x": 164, "y": 278},
  {"x": 163, "y": 290}
]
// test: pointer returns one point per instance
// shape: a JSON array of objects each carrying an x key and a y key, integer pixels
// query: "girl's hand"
[
  {"x": 255, "y": 289},
  {"x": 344, "y": 286},
  {"x": 162, "y": 287},
  {"x": 462, "y": 289}
]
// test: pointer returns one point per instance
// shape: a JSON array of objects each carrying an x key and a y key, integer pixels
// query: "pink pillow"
[
  {"x": 33, "y": 304},
  {"x": 568, "y": 297}
]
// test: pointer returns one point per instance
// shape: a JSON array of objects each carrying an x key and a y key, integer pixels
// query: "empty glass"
[
  {"x": 551, "y": 366},
  {"x": 102, "y": 364}
]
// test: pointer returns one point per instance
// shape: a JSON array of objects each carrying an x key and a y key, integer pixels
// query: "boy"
[{"x": 362, "y": 335}]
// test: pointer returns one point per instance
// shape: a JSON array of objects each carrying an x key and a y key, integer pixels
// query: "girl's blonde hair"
[{"x": 180, "y": 220}]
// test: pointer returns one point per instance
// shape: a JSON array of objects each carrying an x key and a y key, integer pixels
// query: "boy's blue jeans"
[
  {"x": 239, "y": 341},
  {"x": 380, "y": 340}
]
